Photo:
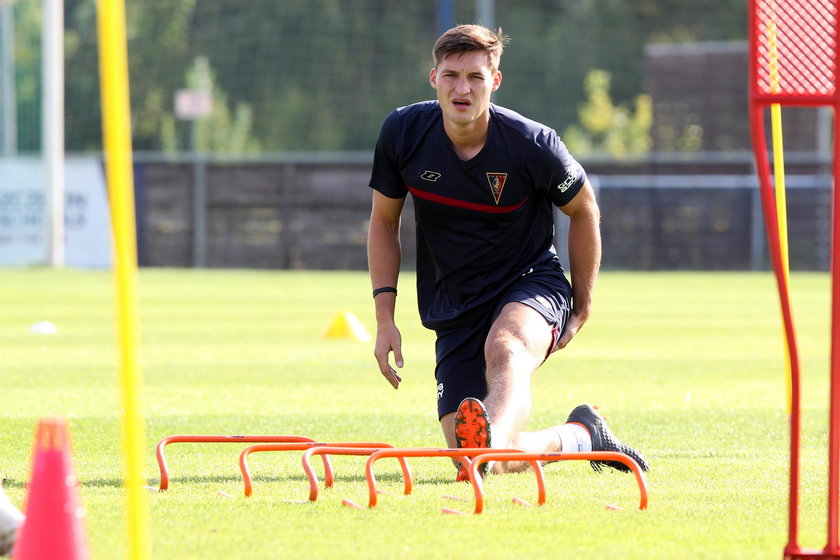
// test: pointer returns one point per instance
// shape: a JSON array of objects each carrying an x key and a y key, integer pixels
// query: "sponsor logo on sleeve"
[{"x": 571, "y": 177}]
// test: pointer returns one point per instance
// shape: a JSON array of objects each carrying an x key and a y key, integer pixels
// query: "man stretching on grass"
[{"x": 489, "y": 283}]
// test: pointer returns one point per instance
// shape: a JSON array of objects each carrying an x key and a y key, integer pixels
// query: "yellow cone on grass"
[{"x": 347, "y": 326}]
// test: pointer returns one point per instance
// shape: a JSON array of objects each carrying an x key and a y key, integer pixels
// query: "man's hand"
[
  {"x": 573, "y": 325},
  {"x": 388, "y": 339}
]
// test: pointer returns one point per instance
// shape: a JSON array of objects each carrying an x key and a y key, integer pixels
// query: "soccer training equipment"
[
  {"x": 603, "y": 439},
  {"x": 161, "y": 446},
  {"x": 793, "y": 60},
  {"x": 54, "y": 525},
  {"x": 472, "y": 430}
]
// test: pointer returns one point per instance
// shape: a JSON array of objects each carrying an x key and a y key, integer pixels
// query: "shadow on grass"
[
  {"x": 92, "y": 483},
  {"x": 386, "y": 477}
]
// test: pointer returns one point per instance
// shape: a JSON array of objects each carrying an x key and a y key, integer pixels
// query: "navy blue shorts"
[{"x": 460, "y": 370}]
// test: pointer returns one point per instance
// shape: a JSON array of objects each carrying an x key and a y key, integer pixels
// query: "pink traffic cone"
[{"x": 54, "y": 525}]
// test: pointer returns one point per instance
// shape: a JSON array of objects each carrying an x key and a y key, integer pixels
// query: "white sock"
[
  {"x": 10, "y": 520},
  {"x": 574, "y": 438},
  {"x": 10, "y": 516}
]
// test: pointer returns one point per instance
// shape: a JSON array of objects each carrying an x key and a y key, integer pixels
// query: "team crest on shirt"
[{"x": 497, "y": 184}]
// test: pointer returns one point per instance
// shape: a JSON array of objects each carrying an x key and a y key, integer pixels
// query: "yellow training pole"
[
  {"x": 779, "y": 181},
  {"x": 113, "y": 69},
  {"x": 781, "y": 216}
]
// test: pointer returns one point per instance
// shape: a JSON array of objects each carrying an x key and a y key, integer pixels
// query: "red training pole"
[{"x": 834, "y": 414}]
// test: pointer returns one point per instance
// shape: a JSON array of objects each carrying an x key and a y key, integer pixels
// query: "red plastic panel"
[{"x": 796, "y": 47}]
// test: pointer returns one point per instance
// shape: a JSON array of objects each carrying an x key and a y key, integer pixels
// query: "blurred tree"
[
  {"x": 667, "y": 21},
  {"x": 554, "y": 43},
  {"x": 158, "y": 55},
  {"x": 223, "y": 132},
  {"x": 322, "y": 74},
  {"x": 606, "y": 128},
  {"x": 28, "y": 74}
]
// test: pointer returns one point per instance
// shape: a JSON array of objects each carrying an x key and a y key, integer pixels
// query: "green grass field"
[{"x": 689, "y": 368}]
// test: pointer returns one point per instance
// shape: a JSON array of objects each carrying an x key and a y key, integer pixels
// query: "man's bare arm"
[
  {"x": 384, "y": 255},
  {"x": 584, "y": 257}
]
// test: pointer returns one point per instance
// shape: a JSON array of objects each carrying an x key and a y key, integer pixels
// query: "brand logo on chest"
[
  {"x": 497, "y": 184},
  {"x": 430, "y": 176}
]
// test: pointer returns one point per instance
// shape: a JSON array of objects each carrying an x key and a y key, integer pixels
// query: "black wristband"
[{"x": 378, "y": 291}]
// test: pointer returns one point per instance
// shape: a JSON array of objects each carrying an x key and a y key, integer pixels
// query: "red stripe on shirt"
[{"x": 463, "y": 203}]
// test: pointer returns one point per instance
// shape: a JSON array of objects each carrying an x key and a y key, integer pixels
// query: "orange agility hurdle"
[
  {"x": 335, "y": 449},
  {"x": 535, "y": 458},
  {"x": 329, "y": 479},
  {"x": 463, "y": 455},
  {"x": 161, "y": 459}
]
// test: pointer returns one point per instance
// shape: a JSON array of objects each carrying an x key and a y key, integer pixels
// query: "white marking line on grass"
[
  {"x": 520, "y": 501},
  {"x": 458, "y": 498}
]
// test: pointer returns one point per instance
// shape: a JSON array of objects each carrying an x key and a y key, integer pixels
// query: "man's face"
[{"x": 464, "y": 83}]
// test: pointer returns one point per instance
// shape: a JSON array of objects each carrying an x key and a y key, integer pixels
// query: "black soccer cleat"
[{"x": 603, "y": 439}]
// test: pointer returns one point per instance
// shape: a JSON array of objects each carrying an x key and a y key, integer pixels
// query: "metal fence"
[{"x": 311, "y": 212}]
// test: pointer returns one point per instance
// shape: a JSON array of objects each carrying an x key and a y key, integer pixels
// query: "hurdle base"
[{"x": 804, "y": 554}]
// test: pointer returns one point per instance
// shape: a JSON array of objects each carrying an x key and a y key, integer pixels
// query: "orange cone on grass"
[{"x": 54, "y": 526}]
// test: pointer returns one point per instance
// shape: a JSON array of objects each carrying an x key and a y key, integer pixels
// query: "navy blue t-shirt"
[{"x": 481, "y": 223}]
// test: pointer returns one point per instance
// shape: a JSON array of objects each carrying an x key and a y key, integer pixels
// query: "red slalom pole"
[
  {"x": 794, "y": 60},
  {"x": 771, "y": 224},
  {"x": 834, "y": 414}
]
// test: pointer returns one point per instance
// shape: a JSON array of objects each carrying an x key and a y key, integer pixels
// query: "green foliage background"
[{"x": 322, "y": 74}]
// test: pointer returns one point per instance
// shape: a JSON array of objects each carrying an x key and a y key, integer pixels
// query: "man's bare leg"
[{"x": 515, "y": 348}]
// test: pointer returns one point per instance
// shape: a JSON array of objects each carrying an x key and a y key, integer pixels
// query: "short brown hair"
[{"x": 466, "y": 38}]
